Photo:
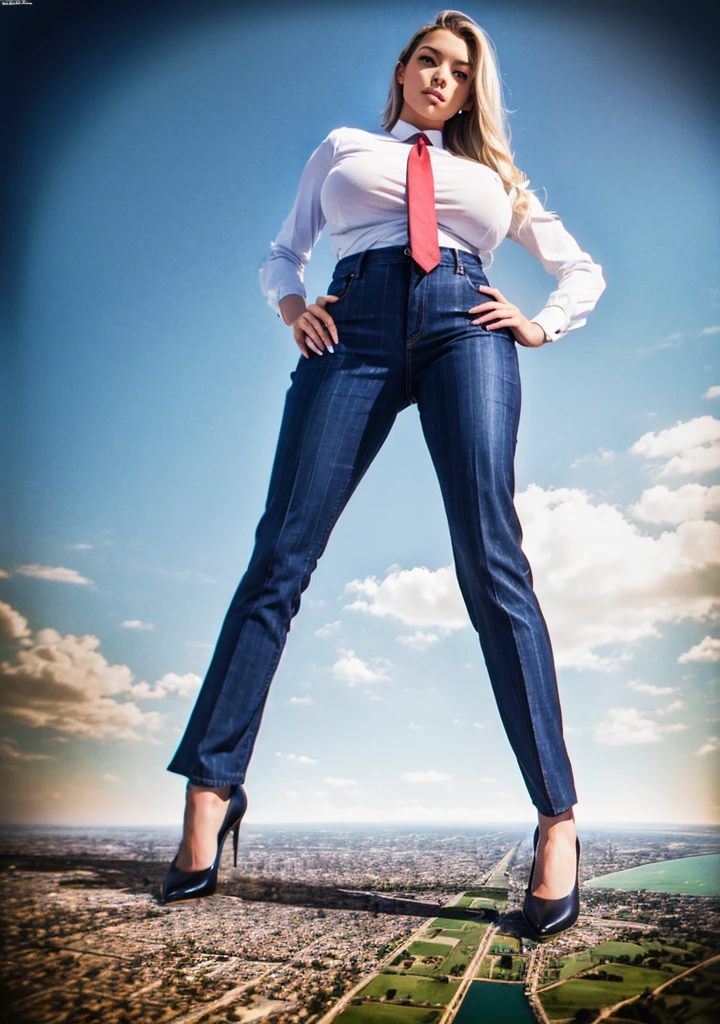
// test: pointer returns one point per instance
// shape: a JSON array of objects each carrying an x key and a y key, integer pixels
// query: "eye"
[{"x": 425, "y": 56}]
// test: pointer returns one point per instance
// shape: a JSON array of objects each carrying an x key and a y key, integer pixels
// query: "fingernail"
[{"x": 330, "y": 348}]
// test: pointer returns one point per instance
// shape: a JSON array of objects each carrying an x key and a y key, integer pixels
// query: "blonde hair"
[{"x": 482, "y": 133}]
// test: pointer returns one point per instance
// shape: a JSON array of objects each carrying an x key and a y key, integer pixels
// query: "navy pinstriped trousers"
[{"x": 405, "y": 338}]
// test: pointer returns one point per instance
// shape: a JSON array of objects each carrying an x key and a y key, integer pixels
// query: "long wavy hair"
[{"x": 482, "y": 133}]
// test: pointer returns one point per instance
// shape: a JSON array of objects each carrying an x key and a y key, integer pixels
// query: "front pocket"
[
  {"x": 340, "y": 286},
  {"x": 476, "y": 278}
]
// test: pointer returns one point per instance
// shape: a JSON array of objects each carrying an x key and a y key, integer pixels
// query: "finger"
[
  {"x": 314, "y": 340},
  {"x": 318, "y": 349},
  {"x": 329, "y": 324},
  {"x": 300, "y": 342},
  {"x": 492, "y": 315},
  {"x": 510, "y": 322},
  {"x": 323, "y": 322},
  {"x": 485, "y": 306},
  {"x": 306, "y": 333}
]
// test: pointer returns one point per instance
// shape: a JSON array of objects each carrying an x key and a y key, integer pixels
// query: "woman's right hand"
[{"x": 314, "y": 328}]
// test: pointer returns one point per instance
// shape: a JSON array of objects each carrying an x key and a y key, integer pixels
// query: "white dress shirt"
[{"x": 355, "y": 182}]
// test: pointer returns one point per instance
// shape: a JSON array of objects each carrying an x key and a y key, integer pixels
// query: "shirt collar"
[{"x": 403, "y": 130}]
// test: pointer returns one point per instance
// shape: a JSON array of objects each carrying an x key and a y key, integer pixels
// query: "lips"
[{"x": 434, "y": 92}]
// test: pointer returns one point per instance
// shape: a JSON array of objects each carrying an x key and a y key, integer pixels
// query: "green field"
[
  {"x": 564, "y": 1000},
  {"x": 587, "y": 959},
  {"x": 573, "y": 964},
  {"x": 482, "y": 902},
  {"x": 490, "y": 969},
  {"x": 430, "y": 949},
  {"x": 499, "y": 896},
  {"x": 467, "y": 938},
  {"x": 380, "y": 1013},
  {"x": 420, "y": 990},
  {"x": 464, "y": 901},
  {"x": 451, "y": 925},
  {"x": 504, "y": 944}
]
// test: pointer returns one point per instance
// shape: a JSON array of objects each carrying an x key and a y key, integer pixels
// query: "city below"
[{"x": 359, "y": 924}]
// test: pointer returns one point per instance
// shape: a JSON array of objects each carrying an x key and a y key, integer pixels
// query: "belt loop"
[
  {"x": 358, "y": 265},
  {"x": 459, "y": 266}
]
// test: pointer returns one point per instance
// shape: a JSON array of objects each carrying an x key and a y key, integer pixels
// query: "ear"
[{"x": 400, "y": 72}]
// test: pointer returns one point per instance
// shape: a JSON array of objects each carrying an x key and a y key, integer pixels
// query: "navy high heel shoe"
[
  {"x": 185, "y": 885},
  {"x": 548, "y": 917}
]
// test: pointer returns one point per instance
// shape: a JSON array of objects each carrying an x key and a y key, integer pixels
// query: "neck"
[{"x": 417, "y": 122}]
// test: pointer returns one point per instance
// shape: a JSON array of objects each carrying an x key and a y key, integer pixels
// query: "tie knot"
[{"x": 421, "y": 136}]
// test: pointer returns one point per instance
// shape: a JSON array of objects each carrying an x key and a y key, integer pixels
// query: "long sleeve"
[
  {"x": 580, "y": 279},
  {"x": 283, "y": 271}
]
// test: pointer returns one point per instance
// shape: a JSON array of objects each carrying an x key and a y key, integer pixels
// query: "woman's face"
[{"x": 439, "y": 64}]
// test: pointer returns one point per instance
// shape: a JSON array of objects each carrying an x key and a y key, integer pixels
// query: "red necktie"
[{"x": 422, "y": 217}]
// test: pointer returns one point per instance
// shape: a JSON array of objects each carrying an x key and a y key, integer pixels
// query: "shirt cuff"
[{"x": 553, "y": 321}]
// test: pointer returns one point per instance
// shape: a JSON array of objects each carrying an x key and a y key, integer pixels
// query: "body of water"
[
  {"x": 693, "y": 876},
  {"x": 488, "y": 1001}
]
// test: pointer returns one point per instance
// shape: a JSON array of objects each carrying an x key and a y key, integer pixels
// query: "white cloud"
[
  {"x": 55, "y": 573},
  {"x": 137, "y": 624},
  {"x": 79, "y": 547},
  {"x": 659, "y": 504},
  {"x": 414, "y": 725},
  {"x": 421, "y": 640},
  {"x": 601, "y": 455},
  {"x": 183, "y": 686},
  {"x": 417, "y": 597},
  {"x": 654, "y": 691},
  {"x": 12, "y": 623},
  {"x": 712, "y": 392},
  {"x": 65, "y": 684},
  {"x": 431, "y": 776},
  {"x": 300, "y": 700},
  {"x": 338, "y": 783},
  {"x": 328, "y": 629},
  {"x": 624, "y": 727},
  {"x": 301, "y": 758},
  {"x": 600, "y": 580},
  {"x": 707, "y": 650},
  {"x": 352, "y": 670},
  {"x": 688, "y": 447},
  {"x": 672, "y": 707},
  {"x": 709, "y": 747},
  {"x": 9, "y": 752}
]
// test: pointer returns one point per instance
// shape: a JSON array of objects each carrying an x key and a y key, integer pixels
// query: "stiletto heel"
[
  {"x": 184, "y": 885},
  {"x": 236, "y": 830},
  {"x": 548, "y": 917}
]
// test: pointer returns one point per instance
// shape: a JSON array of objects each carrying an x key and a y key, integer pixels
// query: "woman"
[{"x": 414, "y": 213}]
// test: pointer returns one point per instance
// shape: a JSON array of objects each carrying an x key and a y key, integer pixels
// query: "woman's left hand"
[{"x": 501, "y": 313}]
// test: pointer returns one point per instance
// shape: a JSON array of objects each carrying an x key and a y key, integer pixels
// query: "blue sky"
[{"x": 152, "y": 377}]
